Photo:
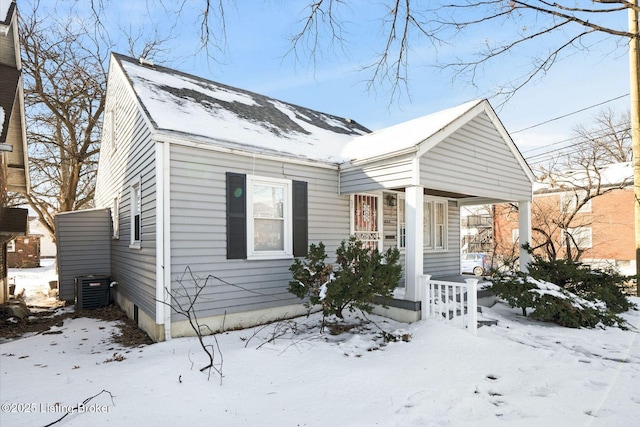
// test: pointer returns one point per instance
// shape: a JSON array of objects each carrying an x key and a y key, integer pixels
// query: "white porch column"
[
  {"x": 524, "y": 225},
  {"x": 414, "y": 257}
]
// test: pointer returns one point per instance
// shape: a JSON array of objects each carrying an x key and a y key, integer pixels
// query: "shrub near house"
[
  {"x": 360, "y": 276},
  {"x": 566, "y": 293}
]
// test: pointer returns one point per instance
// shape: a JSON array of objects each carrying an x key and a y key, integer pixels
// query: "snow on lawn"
[
  {"x": 34, "y": 283},
  {"x": 518, "y": 373}
]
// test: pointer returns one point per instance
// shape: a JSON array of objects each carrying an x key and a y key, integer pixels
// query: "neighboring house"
[
  {"x": 24, "y": 251},
  {"x": 27, "y": 251},
  {"x": 206, "y": 180},
  {"x": 47, "y": 244},
  {"x": 477, "y": 230},
  {"x": 603, "y": 229},
  {"x": 14, "y": 171}
]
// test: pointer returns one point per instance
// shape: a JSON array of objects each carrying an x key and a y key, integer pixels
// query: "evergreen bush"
[
  {"x": 565, "y": 292},
  {"x": 359, "y": 276}
]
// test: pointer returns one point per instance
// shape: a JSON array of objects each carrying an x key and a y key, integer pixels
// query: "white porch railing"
[{"x": 450, "y": 301}]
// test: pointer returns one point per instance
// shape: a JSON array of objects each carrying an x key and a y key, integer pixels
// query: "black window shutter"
[
  {"x": 236, "y": 216},
  {"x": 300, "y": 219}
]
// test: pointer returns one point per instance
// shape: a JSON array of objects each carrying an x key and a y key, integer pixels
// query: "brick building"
[
  {"x": 24, "y": 252},
  {"x": 602, "y": 229}
]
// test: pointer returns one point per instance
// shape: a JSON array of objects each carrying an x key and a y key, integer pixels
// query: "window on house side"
[
  {"x": 115, "y": 217},
  {"x": 435, "y": 224},
  {"x": 269, "y": 209},
  {"x": 11, "y": 246},
  {"x": 402, "y": 226},
  {"x": 569, "y": 202},
  {"x": 515, "y": 235},
  {"x": 136, "y": 222},
  {"x": 109, "y": 128},
  {"x": 581, "y": 236}
]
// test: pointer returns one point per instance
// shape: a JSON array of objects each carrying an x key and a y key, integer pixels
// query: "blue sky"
[{"x": 258, "y": 38}]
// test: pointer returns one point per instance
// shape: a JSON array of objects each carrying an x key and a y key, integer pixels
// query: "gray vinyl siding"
[
  {"x": 83, "y": 239},
  {"x": 476, "y": 161},
  {"x": 130, "y": 158},
  {"x": 387, "y": 174},
  {"x": 198, "y": 228},
  {"x": 444, "y": 263},
  {"x": 436, "y": 263}
]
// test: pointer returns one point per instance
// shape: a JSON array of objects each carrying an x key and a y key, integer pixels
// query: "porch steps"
[{"x": 481, "y": 322}]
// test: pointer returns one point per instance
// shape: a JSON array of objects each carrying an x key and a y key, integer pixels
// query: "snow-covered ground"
[
  {"x": 518, "y": 373},
  {"x": 34, "y": 283}
]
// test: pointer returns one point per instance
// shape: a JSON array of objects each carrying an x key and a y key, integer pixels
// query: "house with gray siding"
[
  {"x": 14, "y": 158},
  {"x": 210, "y": 183}
]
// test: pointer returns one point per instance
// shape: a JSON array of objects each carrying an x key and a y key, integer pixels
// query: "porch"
[
  {"x": 401, "y": 309},
  {"x": 408, "y": 182}
]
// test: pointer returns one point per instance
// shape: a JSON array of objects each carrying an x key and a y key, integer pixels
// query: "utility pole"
[{"x": 634, "y": 77}]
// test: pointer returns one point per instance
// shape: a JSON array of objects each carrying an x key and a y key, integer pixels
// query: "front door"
[{"x": 365, "y": 219}]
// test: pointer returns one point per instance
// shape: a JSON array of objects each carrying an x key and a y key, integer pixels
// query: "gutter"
[{"x": 227, "y": 146}]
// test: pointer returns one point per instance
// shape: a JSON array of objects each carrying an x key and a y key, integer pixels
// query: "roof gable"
[
  {"x": 421, "y": 135},
  {"x": 405, "y": 136},
  {"x": 184, "y": 104}
]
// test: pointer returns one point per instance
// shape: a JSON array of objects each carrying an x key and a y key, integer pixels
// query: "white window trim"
[
  {"x": 11, "y": 246},
  {"x": 569, "y": 201},
  {"x": 133, "y": 207},
  {"x": 288, "y": 219},
  {"x": 588, "y": 236},
  {"x": 111, "y": 123},
  {"x": 401, "y": 202},
  {"x": 115, "y": 217},
  {"x": 434, "y": 201}
]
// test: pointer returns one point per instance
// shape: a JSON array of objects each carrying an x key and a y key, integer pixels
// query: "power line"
[
  {"x": 602, "y": 133},
  {"x": 565, "y": 150},
  {"x": 570, "y": 114}
]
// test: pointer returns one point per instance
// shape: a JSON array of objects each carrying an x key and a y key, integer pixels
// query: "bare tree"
[
  {"x": 65, "y": 68},
  {"x": 608, "y": 140},
  {"x": 574, "y": 179},
  {"x": 65, "y": 83},
  {"x": 544, "y": 30}
]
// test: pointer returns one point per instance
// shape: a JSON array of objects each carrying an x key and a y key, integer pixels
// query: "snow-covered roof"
[
  {"x": 611, "y": 175},
  {"x": 404, "y": 135},
  {"x": 182, "y": 103}
]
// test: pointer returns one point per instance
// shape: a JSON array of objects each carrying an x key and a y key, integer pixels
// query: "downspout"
[
  {"x": 166, "y": 247},
  {"x": 163, "y": 282}
]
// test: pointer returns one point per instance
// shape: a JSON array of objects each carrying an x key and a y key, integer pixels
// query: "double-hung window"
[
  {"x": 115, "y": 218},
  {"x": 402, "y": 224},
  {"x": 269, "y": 213},
  {"x": 266, "y": 217},
  {"x": 136, "y": 210},
  {"x": 580, "y": 237},
  {"x": 435, "y": 224},
  {"x": 569, "y": 202}
]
